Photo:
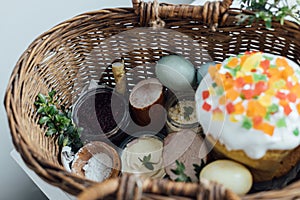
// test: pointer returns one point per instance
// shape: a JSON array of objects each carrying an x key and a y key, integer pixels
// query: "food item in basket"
[
  {"x": 181, "y": 113},
  {"x": 118, "y": 70},
  {"x": 175, "y": 72},
  {"x": 187, "y": 147},
  {"x": 143, "y": 97},
  {"x": 58, "y": 121},
  {"x": 143, "y": 156},
  {"x": 98, "y": 168},
  {"x": 96, "y": 161},
  {"x": 231, "y": 174},
  {"x": 101, "y": 113},
  {"x": 249, "y": 109}
]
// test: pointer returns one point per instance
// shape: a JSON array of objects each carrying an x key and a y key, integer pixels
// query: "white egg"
[
  {"x": 232, "y": 175},
  {"x": 202, "y": 70},
  {"x": 176, "y": 73}
]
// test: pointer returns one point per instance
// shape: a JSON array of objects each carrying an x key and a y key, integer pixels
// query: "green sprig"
[
  {"x": 146, "y": 161},
  {"x": 58, "y": 121},
  {"x": 268, "y": 12},
  {"x": 198, "y": 168},
  {"x": 179, "y": 171},
  {"x": 187, "y": 112}
]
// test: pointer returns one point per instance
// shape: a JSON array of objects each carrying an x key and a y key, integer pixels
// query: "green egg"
[{"x": 176, "y": 73}]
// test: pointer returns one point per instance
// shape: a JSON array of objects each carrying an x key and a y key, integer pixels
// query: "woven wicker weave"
[{"x": 68, "y": 56}]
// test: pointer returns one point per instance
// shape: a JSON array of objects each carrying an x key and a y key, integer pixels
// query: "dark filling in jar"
[{"x": 100, "y": 113}]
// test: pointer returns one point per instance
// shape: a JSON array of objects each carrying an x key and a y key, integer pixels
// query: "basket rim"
[{"x": 31, "y": 158}]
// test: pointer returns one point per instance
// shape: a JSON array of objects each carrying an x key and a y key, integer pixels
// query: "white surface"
[
  {"x": 20, "y": 23},
  {"x": 50, "y": 191}
]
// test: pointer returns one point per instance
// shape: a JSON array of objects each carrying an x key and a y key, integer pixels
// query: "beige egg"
[{"x": 232, "y": 175}]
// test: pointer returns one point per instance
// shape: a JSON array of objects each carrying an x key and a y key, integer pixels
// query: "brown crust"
[{"x": 275, "y": 163}]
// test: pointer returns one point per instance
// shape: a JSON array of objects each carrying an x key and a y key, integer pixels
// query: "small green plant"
[
  {"x": 146, "y": 161},
  {"x": 268, "y": 11},
  {"x": 188, "y": 110},
  {"x": 180, "y": 168},
  {"x": 198, "y": 168},
  {"x": 58, "y": 121},
  {"x": 179, "y": 171}
]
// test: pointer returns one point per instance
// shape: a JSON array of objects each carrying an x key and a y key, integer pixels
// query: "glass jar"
[
  {"x": 181, "y": 113},
  {"x": 101, "y": 113},
  {"x": 141, "y": 153}
]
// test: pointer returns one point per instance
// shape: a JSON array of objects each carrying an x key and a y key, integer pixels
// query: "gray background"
[{"x": 20, "y": 23}]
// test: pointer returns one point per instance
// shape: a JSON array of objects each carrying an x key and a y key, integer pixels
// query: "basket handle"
[
  {"x": 211, "y": 13},
  {"x": 132, "y": 187}
]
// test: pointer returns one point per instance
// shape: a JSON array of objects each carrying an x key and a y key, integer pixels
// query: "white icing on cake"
[{"x": 233, "y": 135}]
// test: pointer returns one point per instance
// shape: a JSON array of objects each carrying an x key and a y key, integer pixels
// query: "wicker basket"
[{"x": 68, "y": 56}]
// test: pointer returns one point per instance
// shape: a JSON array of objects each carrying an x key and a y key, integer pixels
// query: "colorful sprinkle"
[
  {"x": 206, "y": 106},
  {"x": 205, "y": 94},
  {"x": 222, "y": 100},
  {"x": 288, "y": 71},
  {"x": 282, "y": 62},
  {"x": 298, "y": 108},
  {"x": 265, "y": 64},
  {"x": 296, "y": 132},
  {"x": 230, "y": 108},
  {"x": 279, "y": 84},
  {"x": 248, "y": 79},
  {"x": 266, "y": 128},
  {"x": 259, "y": 77},
  {"x": 249, "y": 84},
  {"x": 273, "y": 109},
  {"x": 292, "y": 97},
  {"x": 296, "y": 89},
  {"x": 247, "y": 123},
  {"x": 218, "y": 115},
  {"x": 265, "y": 100},
  {"x": 260, "y": 87},
  {"x": 232, "y": 118},
  {"x": 233, "y": 62},
  {"x": 219, "y": 91},
  {"x": 287, "y": 109},
  {"x": 251, "y": 62},
  {"x": 214, "y": 85},
  {"x": 239, "y": 108},
  {"x": 257, "y": 120},
  {"x": 232, "y": 94},
  {"x": 256, "y": 109},
  {"x": 247, "y": 94},
  {"x": 212, "y": 71},
  {"x": 239, "y": 82},
  {"x": 281, "y": 95},
  {"x": 281, "y": 123}
]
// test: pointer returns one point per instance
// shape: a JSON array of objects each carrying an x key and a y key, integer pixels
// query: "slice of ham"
[
  {"x": 143, "y": 96},
  {"x": 187, "y": 147}
]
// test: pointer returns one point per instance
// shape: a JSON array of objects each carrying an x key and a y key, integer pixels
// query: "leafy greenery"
[
  {"x": 187, "y": 112},
  {"x": 147, "y": 163},
  {"x": 198, "y": 168},
  {"x": 58, "y": 121},
  {"x": 179, "y": 171},
  {"x": 180, "y": 168},
  {"x": 266, "y": 11}
]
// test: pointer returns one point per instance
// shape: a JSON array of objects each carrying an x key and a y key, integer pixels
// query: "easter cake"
[{"x": 249, "y": 109}]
